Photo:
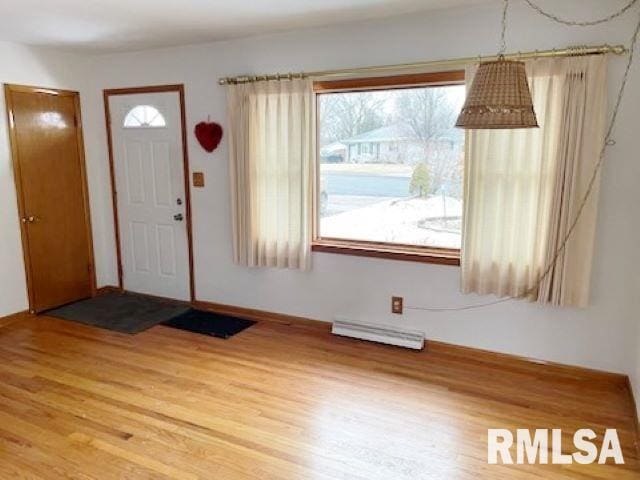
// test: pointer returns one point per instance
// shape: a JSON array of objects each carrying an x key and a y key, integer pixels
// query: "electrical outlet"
[{"x": 396, "y": 305}]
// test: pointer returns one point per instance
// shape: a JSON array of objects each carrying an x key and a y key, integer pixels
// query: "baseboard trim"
[
  {"x": 635, "y": 414},
  {"x": 261, "y": 315},
  {"x": 108, "y": 289},
  {"x": 431, "y": 345},
  {"x": 461, "y": 350},
  {"x": 12, "y": 317}
]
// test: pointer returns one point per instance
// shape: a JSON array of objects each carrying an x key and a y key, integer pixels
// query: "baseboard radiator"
[{"x": 379, "y": 333}]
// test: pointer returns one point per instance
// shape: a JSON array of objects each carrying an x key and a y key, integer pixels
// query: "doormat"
[
  {"x": 209, "y": 323},
  {"x": 122, "y": 312}
]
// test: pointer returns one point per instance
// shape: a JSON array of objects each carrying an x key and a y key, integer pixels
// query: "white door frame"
[{"x": 179, "y": 88}]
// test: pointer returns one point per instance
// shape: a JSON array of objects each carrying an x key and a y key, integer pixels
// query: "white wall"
[
  {"x": 603, "y": 336},
  {"x": 26, "y": 66}
]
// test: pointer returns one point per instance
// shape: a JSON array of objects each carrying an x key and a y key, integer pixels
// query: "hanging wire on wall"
[
  {"x": 608, "y": 141},
  {"x": 586, "y": 23}
]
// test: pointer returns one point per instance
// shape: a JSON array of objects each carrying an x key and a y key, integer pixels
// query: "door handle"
[
  {"x": 29, "y": 219},
  {"x": 178, "y": 217}
]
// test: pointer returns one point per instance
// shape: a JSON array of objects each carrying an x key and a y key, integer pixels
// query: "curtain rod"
[{"x": 566, "y": 52}]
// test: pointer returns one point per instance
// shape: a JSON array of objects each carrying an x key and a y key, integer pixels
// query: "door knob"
[{"x": 178, "y": 217}]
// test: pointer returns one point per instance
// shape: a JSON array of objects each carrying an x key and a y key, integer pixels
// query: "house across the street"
[{"x": 395, "y": 143}]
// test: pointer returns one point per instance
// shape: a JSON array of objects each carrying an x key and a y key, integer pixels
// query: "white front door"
[{"x": 150, "y": 191}]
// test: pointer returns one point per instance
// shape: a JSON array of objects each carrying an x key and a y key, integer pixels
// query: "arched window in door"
[{"x": 144, "y": 116}]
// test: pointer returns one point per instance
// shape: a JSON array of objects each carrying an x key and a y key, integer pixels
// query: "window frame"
[{"x": 387, "y": 250}]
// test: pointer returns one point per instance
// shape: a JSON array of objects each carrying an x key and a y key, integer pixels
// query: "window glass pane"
[
  {"x": 144, "y": 116},
  {"x": 391, "y": 166}
]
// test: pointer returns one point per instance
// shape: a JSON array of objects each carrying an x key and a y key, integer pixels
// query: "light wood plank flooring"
[{"x": 280, "y": 402}]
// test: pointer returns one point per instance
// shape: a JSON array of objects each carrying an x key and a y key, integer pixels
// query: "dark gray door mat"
[
  {"x": 122, "y": 312},
  {"x": 209, "y": 323}
]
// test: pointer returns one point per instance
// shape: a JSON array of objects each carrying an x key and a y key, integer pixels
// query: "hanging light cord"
[
  {"x": 503, "y": 35},
  {"x": 608, "y": 141},
  {"x": 587, "y": 23}
]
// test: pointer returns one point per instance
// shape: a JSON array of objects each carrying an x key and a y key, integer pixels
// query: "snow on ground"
[{"x": 433, "y": 221}]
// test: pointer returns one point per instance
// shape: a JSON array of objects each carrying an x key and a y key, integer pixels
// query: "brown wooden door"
[{"x": 48, "y": 161}]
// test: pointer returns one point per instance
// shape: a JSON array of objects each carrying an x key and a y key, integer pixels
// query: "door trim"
[
  {"x": 17, "y": 178},
  {"x": 179, "y": 88}
]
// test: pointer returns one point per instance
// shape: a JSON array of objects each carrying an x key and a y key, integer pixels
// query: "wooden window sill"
[{"x": 440, "y": 256}]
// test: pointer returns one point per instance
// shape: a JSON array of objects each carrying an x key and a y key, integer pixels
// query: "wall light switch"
[{"x": 198, "y": 179}]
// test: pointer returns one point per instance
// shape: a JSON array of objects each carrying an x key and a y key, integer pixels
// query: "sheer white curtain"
[
  {"x": 523, "y": 187},
  {"x": 271, "y": 166}
]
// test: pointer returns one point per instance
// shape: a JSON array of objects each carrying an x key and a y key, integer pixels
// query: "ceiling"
[{"x": 118, "y": 25}]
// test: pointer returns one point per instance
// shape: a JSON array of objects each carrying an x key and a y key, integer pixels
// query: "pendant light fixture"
[{"x": 499, "y": 96}]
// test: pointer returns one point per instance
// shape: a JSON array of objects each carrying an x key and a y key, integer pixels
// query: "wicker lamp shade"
[{"x": 499, "y": 98}]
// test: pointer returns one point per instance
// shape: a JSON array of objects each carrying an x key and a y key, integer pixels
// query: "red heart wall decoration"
[{"x": 209, "y": 135}]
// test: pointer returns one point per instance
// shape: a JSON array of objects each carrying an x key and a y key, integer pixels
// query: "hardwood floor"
[{"x": 281, "y": 402}]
